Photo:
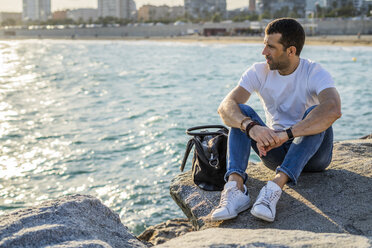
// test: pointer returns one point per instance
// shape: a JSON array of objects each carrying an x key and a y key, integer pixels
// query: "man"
[{"x": 300, "y": 103}]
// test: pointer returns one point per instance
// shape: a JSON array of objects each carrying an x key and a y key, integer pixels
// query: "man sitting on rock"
[{"x": 300, "y": 103}]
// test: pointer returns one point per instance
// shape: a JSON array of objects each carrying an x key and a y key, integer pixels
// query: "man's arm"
[
  {"x": 322, "y": 116},
  {"x": 229, "y": 108},
  {"x": 231, "y": 115},
  {"x": 317, "y": 121}
]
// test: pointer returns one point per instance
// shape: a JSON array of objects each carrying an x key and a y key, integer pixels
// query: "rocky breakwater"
[
  {"x": 337, "y": 201},
  {"x": 329, "y": 209},
  {"x": 71, "y": 221}
]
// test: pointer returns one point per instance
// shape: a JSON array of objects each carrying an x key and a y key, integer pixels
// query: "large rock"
[
  {"x": 71, "y": 221},
  {"x": 166, "y": 231},
  {"x": 338, "y": 200},
  {"x": 226, "y": 237}
]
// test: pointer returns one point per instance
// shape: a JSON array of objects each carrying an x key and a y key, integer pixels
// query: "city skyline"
[{"x": 16, "y": 5}]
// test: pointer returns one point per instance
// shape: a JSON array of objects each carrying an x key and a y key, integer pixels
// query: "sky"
[{"x": 16, "y": 5}]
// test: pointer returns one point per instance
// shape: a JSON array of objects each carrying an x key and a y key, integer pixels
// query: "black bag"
[{"x": 209, "y": 161}]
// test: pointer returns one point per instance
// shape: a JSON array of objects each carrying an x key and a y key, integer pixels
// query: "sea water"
[{"x": 108, "y": 118}]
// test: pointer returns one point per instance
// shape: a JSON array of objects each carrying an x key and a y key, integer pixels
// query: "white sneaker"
[
  {"x": 233, "y": 201},
  {"x": 265, "y": 205}
]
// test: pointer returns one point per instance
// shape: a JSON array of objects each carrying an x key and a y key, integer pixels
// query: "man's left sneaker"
[
  {"x": 232, "y": 202},
  {"x": 265, "y": 205}
]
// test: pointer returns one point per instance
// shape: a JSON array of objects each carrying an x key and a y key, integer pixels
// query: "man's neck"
[{"x": 291, "y": 68}]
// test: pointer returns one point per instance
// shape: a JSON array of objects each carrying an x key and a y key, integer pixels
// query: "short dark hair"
[{"x": 292, "y": 33}]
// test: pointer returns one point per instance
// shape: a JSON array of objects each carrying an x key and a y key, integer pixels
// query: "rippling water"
[{"x": 107, "y": 118}]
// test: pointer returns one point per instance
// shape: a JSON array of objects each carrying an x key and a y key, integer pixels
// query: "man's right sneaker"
[{"x": 233, "y": 201}]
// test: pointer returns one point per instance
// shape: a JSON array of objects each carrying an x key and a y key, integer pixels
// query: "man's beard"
[{"x": 278, "y": 64}]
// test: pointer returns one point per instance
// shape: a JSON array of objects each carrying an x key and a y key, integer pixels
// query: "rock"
[
  {"x": 367, "y": 137},
  {"x": 227, "y": 237},
  {"x": 193, "y": 201},
  {"x": 71, "y": 221},
  {"x": 338, "y": 200},
  {"x": 163, "y": 232}
]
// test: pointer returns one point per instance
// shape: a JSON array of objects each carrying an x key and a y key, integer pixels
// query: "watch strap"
[{"x": 289, "y": 133}]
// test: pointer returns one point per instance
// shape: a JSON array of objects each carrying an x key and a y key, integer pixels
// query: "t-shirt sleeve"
[
  {"x": 319, "y": 80},
  {"x": 249, "y": 80}
]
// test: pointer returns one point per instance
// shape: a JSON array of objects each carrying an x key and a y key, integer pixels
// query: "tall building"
[
  {"x": 359, "y": 4},
  {"x": 107, "y": 8},
  {"x": 37, "y": 10},
  {"x": 202, "y": 9},
  {"x": 124, "y": 9},
  {"x": 272, "y": 6},
  {"x": 252, "y": 5}
]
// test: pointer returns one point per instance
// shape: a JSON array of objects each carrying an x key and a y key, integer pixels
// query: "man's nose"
[{"x": 264, "y": 51}]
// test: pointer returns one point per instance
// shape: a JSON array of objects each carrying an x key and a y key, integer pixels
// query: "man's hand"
[
  {"x": 266, "y": 139},
  {"x": 283, "y": 137}
]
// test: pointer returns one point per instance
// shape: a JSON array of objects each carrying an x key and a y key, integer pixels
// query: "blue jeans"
[{"x": 311, "y": 153}]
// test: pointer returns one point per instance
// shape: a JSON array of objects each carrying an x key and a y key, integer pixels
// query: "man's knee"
[
  {"x": 247, "y": 110},
  {"x": 316, "y": 166}
]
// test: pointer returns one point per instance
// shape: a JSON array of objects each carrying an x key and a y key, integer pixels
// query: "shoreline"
[
  {"x": 344, "y": 40},
  {"x": 341, "y": 40}
]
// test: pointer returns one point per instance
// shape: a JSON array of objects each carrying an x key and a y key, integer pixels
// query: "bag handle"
[
  {"x": 204, "y": 133},
  {"x": 187, "y": 152}
]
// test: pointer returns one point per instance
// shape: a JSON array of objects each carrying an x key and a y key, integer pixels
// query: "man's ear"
[{"x": 291, "y": 51}]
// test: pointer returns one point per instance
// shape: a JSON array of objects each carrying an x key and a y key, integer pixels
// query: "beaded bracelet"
[{"x": 241, "y": 123}]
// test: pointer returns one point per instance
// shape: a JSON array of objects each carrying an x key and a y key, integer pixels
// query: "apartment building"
[
  {"x": 272, "y": 6},
  {"x": 36, "y": 10},
  {"x": 124, "y": 9},
  {"x": 156, "y": 13},
  {"x": 203, "y": 9}
]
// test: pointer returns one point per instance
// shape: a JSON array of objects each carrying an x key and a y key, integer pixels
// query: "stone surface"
[
  {"x": 228, "y": 237},
  {"x": 71, "y": 221},
  {"x": 163, "y": 232},
  {"x": 338, "y": 200},
  {"x": 367, "y": 137}
]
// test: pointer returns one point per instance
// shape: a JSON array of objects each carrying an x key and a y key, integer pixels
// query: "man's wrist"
[
  {"x": 283, "y": 135},
  {"x": 250, "y": 126}
]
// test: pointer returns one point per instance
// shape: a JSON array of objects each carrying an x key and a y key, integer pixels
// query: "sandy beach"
[{"x": 341, "y": 40}]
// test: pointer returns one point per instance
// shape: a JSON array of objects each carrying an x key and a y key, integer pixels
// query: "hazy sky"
[{"x": 16, "y": 5}]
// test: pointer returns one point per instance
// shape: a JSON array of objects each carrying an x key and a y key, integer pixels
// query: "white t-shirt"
[{"x": 286, "y": 98}]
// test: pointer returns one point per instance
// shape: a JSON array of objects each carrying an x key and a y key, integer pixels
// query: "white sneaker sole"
[
  {"x": 228, "y": 217},
  {"x": 262, "y": 217}
]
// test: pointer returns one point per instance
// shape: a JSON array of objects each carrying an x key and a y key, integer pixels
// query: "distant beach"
[{"x": 341, "y": 40}]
